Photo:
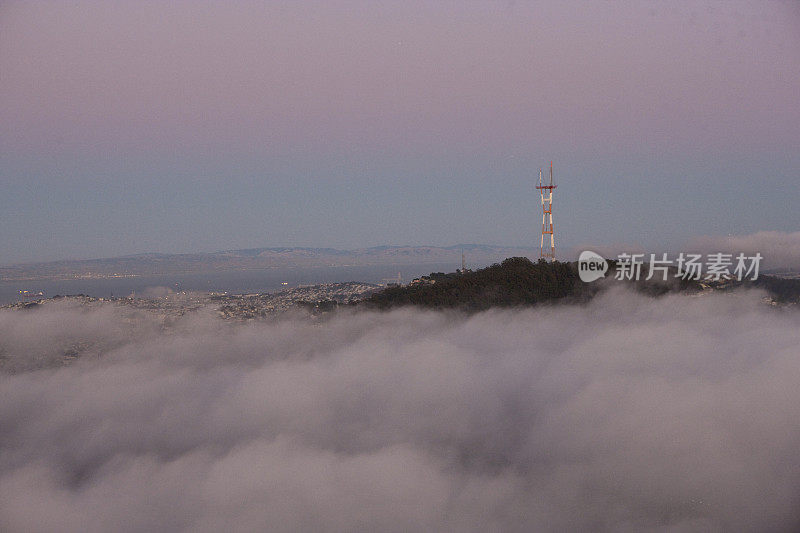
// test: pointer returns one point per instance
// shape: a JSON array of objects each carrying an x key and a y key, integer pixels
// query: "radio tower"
[{"x": 547, "y": 216}]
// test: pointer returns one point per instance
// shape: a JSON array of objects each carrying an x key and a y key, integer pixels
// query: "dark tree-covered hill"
[
  {"x": 514, "y": 282},
  {"x": 517, "y": 281}
]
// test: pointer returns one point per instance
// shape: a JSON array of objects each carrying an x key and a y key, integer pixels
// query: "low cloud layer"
[{"x": 626, "y": 414}]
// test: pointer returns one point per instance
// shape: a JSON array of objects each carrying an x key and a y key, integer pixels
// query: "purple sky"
[{"x": 128, "y": 127}]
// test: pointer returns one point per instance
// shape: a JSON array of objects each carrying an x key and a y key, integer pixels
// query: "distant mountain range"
[{"x": 477, "y": 255}]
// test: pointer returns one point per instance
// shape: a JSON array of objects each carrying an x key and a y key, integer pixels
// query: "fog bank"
[{"x": 629, "y": 413}]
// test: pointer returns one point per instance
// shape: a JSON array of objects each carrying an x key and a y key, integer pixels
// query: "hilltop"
[
  {"x": 515, "y": 281},
  {"x": 518, "y": 281}
]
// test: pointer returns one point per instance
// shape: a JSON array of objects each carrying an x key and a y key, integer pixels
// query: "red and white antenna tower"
[{"x": 547, "y": 216}]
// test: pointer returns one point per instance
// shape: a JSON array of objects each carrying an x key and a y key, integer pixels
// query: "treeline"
[
  {"x": 517, "y": 281},
  {"x": 781, "y": 289}
]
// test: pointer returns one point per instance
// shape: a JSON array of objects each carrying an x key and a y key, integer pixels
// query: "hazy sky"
[{"x": 128, "y": 127}]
